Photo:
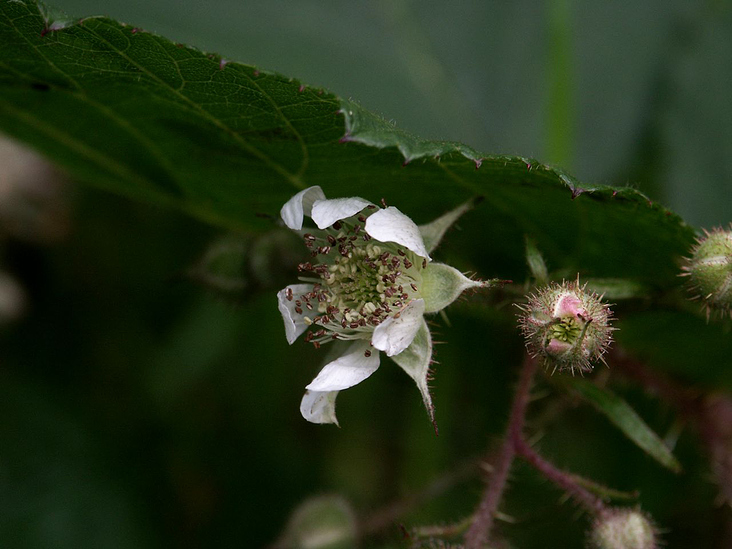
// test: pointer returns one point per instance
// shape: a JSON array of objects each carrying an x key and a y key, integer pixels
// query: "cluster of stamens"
[{"x": 359, "y": 284}]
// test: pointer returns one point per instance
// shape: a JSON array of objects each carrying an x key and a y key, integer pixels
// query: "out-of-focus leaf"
[
  {"x": 237, "y": 265},
  {"x": 627, "y": 420},
  {"x": 617, "y": 288},
  {"x": 682, "y": 343}
]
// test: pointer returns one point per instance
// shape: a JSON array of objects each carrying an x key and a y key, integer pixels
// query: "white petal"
[
  {"x": 391, "y": 225},
  {"x": 294, "y": 321},
  {"x": 327, "y": 212},
  {"x": 348, "y": 370},
  {"x": 319, "y": 406},
  {"x": 299, "y": 205},
  {"x": 396, "y": 334},
  {"x": 415, "y": 361}
]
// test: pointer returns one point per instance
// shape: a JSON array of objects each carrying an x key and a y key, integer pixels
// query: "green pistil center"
[{"x": 568, "y": 329}]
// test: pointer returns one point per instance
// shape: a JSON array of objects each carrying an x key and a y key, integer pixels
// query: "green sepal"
[
  {"x": 433, "y": 232},
  {"x": 442, "y": 284},
  {"x": 536, "y": 263},
  {"x": 415, "y": 361}
]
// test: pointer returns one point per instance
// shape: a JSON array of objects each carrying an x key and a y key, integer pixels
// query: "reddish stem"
[
  {"x": 479, "y": 531},
  {"x": 561, "y": 478}
]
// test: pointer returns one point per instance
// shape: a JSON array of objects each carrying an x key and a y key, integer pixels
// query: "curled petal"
[
  {"x": 568, "y": 305},
  {"x": 319, "y": 406},
  {"x": 327, "y": 212},
  {"x": 396, "y": 334},
  {"x": 300, "y": 205},
  {"x": 347, "y": 370},
  {"x": 294, "y": 321},
  {"x": 391, "y": 225}
]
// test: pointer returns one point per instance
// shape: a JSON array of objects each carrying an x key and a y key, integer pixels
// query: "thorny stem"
[
  {"x": 561, "y": 478},
  {"x": 479, "y": 531},
  {"x": 514, "y": 444}
]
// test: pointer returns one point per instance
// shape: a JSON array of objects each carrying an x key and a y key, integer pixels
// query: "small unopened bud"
[
  {"x": 710, "y": 271},
  {"x": 323, "y": 522},
  {"x": 623, "y": 529},
  {"x": 567, "y": 326}
]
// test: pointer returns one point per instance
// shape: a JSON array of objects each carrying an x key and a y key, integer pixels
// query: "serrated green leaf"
[
  {"x": 627, "y": 420},
  {"x": 139, "y": 115}
]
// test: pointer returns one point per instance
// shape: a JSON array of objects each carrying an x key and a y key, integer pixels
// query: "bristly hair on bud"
[
  {"x": 566, "y": 326},
  {"x": 623, "y": 529},
  {"x": 710, "y": 271}
]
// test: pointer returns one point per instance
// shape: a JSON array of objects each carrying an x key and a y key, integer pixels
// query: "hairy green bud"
[
  {"x": 623, "y": 529},
  {"x": 566, "y": 326},
  {"x": 710, "y": 271}
]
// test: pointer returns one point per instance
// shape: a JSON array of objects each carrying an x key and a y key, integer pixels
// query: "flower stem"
[{"x": 479, "y": 531}]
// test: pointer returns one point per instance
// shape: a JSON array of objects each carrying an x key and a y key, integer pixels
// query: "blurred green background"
[{"x": 141, "y": 409}]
